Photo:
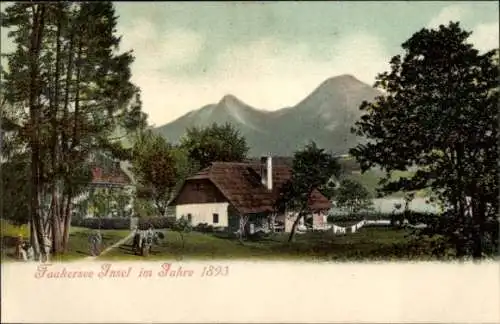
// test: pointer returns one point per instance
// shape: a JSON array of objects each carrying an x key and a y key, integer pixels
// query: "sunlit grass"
[{"x": 78, "y": 241}]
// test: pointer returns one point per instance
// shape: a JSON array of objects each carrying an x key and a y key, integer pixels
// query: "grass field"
[
  {"x": 78, "y": 241},
  {"x": 367, "y": 244}
]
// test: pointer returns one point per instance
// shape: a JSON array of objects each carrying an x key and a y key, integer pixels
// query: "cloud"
[
  {"x": 485, "y": 36},
  {"x": 267, "y": 74},
  {"x": 447, "y": 14},
  {"x": 155, "y": 49}
]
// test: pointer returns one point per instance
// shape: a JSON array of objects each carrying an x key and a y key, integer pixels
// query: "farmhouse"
[
  {"x": 114, "y": 180},
  {"x": 226, "y": 193}
]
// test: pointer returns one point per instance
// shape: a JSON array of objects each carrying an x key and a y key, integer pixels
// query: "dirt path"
[{"x": 109, "y": 248}]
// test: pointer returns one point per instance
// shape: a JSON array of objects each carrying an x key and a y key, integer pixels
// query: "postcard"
[{"x": 249, "y": 162}]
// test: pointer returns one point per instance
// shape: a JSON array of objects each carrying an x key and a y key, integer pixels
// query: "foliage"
[
  {"x": 204, "y": 228},
  {"x": 117, "y": 223},
  {"x": 439, "y": 114},
  {"x": 120, "y": 223},
  {"x": 15, "y": 191},
  {"x": 353, "y": 196},
  {"x": 222, "y": 143},
  {"x": 66, "y": 89},
  {"x": 154, "y": 165},
  {"x": 312, "y": 168},
  {"x": 182, "y": 226},
  {"x": 143, "y": 208},
  {"x": 156, "y": 222}
]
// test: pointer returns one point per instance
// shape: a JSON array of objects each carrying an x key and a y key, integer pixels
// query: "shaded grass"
[{"x": 366, "y": 244}]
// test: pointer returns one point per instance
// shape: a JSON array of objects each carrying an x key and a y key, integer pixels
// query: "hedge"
[
  {"x": 120, "y": 223},
  {"x": 413, "y": 217},
  {"x": 156, "y": 222}
]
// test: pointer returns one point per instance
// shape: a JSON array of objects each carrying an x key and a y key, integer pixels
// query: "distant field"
[{"x": 371, "y": 178}]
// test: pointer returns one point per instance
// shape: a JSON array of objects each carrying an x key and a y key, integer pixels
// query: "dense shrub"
[
  {"x": 412, "y": 217},
  {"x": 203, "y": 228},
  {"x": 118, "y": 223},
  {"x": 156, "y": 222}
]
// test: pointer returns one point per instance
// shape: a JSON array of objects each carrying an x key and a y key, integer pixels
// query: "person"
[
  {"x": 95, "y": 239},
  {"x": 19, "y": 247},
  {"x": 150, "y": 233},
  {"x": 138, "y": 236},
  {"x": 30, "y": 252},
  {"x": 47, "y": 245},
  {"x": 22, "y": 252}
]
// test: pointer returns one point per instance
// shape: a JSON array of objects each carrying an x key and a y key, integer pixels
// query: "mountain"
[{"x": 325, "y": 116}]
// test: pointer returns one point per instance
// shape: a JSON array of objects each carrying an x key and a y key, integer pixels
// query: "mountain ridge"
[{"x": 325, "y": 116}]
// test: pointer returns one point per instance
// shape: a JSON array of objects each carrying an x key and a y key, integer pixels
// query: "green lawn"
[
  {"x": 78, "y": 241},
  {"x": 367, "y": 244}
]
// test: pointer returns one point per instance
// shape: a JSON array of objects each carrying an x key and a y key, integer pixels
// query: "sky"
[{"x": 272, "y": 54}]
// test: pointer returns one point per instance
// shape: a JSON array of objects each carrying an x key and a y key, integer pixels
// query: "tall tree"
[
  {"x": 312, "y": 169},
  {"x": 222, "y": 143},
  {"x": 353, "y": 196},
  {"x": 154, "y": 164},
  {"x": 440, "y": 114},
  {"x": 69, "y": 89}
]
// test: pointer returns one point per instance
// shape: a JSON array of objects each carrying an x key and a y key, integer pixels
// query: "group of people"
[
  {"x": 26, "y": 252},
  {"x": 143, "y": 241}
]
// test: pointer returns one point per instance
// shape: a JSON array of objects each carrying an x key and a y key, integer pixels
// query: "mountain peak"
[
  {"x": 230, "y": 99},
  {"x": 343, "y": 79}
]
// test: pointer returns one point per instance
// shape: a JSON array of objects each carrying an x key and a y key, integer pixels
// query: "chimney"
[{"x": 266, "y": 171}]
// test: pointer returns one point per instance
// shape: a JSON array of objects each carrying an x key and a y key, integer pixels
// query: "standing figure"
[
  {"x": 30, "y": 252},
  {"x": 147, "y": 241},
  {"x": 19, "y": 247},
  {"x": 95, "y": 240},
  {"x": 137, "y": 242},
  {"x": 47, "y": 246}
]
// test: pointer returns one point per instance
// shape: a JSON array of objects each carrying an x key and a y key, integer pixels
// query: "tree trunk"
[
  {"x": 34, "y": 239},
  {"x": 243, "y": 224},
  {"x": 56, "y": 223},
  {"x": 294, "y": 226},
  {"x": 478, "y": 226},
  {"x": 67, "y": 223},
  {"x": 34, "y": 108}
]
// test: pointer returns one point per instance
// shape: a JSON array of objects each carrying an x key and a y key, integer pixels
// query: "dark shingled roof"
[{"x": 241, "y": 184}]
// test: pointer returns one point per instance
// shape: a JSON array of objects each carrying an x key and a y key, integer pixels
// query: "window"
[
  {"x": 215, "y": 218},
  {"x": 190, "y": 218}
]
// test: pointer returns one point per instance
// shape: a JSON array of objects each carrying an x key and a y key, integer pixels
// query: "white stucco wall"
[{"x": 203, "y": 213}]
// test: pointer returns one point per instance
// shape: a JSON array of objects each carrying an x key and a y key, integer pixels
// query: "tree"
[
  {"x": 67, "y": 89},
  {"x": 353, "y": 196},
  {"x": 312, "y": 168},
  {"x": 154, "y": 164},
  {"x": 182, "y": 226},
  {"x": 15, "y": 191},
  {"x": 439, "y": 114},
  {"x": 222, "y": 143}
]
